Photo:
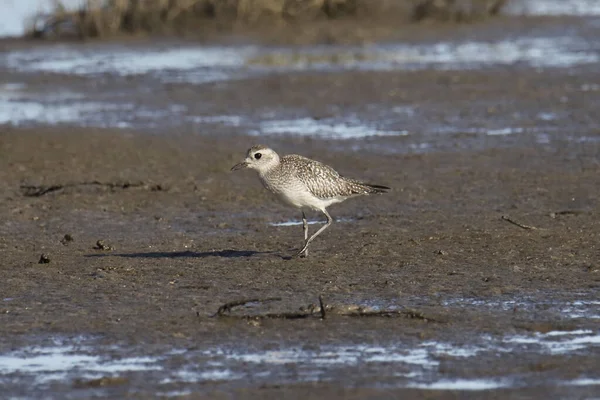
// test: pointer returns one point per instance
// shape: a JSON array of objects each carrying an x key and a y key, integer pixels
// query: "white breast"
[{"x": 305, "y": 199}]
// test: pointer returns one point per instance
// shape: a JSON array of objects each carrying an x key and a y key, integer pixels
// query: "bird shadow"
[{"x": 187, "y": 254}]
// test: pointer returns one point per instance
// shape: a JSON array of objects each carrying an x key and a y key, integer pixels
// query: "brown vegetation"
[{"x": 107, "y": 18}]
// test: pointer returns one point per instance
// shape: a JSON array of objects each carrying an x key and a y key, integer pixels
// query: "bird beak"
[{"x": 241, "y": 165}]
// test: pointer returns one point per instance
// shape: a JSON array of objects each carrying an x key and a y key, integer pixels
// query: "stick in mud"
[
  {"x": 41, "y": 190},
  {"x": 236, "y": 303},
  {"x": 507, "y": 219},
  {"x": 224, "y": 310},
  {"x": 566, "y": 212},
  {"x": 322, "y": 307}
]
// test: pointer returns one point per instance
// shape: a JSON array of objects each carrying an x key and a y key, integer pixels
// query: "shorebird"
[{"x": 304, "y": 184}]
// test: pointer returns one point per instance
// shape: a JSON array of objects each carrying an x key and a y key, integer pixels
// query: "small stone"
[
  {"x": 100, "y": 245},
  {"x": 66, "y": 239},
  {"x": 44, "y": 259}
]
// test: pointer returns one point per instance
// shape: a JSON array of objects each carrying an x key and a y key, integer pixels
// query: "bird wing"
[{"x": 321, "y": 180}]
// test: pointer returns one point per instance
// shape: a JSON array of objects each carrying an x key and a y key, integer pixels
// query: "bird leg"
[
  {"x": 329, "y": 221},
  {"x": 305, "y": 229}
]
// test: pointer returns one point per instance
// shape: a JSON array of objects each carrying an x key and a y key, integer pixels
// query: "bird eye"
[{"x": 258, "y": 156}]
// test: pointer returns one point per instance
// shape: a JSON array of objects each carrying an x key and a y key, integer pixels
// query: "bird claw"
[{"x": 303, "y": 253}]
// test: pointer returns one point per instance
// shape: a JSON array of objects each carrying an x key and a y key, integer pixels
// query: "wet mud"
[{"x": 140, "y": 256}]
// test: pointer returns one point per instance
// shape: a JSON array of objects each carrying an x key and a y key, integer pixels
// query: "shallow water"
[
  {"x": 129, "y": 87},
  {"x": 310, "y": 222},
  {"x": 408, "y": 363},
  {"x": 197, "y": 65},
  {"x": 100, "y": 102},
  {"x": 553, "y": 7}
]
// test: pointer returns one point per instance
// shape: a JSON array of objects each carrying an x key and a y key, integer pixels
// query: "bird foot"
[{"x": 303, "y": 253}]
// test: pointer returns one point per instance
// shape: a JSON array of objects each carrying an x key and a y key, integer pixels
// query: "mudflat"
[{"x": 145, "y": 236}]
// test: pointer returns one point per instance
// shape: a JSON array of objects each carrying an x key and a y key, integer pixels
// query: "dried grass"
[{"x": 107, "y": 18}]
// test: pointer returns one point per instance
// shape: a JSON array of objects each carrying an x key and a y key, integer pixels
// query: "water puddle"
[
  {"x": 20, "y": 107},
  {"x": 297, "y": 222},
  {"x": 590, "y": 87},
  {"x": 209, "y": 64},
  {"x": 583, "y": 382},
  {"x": 63, "y": 361},
  {"x": 330, "y": 128},
  {"x": 553, "y": 7},
  {"x": 557, "y": 342},
  {"x": 587, "y": 307},
  {"x": 123, "y": 61},
  {"x": 92, "y": 98},
  {"x": 462, "y": 384},
  {"x": 410, "y": 364},
  {"x": 583, "y": 139}
]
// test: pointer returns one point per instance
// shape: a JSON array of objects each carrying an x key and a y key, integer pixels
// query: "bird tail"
[
  {"x": 374, "y": 189},
  {"x": 367, "y": 188}
]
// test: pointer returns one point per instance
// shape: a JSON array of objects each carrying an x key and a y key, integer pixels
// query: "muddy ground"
[{"x": 183, "y": 235}]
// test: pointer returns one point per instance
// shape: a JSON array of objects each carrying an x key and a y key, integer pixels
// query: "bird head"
[{"x": 259, "y": 158}]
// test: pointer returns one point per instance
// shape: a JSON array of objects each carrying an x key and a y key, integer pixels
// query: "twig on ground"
[
  {"x": 507, "y": 219},
  {"x": 353, "y": 311},
  {"x": 566, "y": 212},
  {"x": 41, "y": 190},
  {"x": 322, "y": 307},
  {"x": 38, "y": 191},
  {"x": 228, "y": 306}
]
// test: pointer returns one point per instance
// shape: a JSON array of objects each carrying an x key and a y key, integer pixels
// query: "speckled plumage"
[
  {"x": 304, "y": 183},
  {"x": 319, "y": 179}
]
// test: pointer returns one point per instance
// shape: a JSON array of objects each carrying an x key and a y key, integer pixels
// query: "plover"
[{"x": 304, "y": 183}]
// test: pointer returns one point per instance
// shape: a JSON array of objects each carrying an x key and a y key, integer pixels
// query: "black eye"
[{"x": 258, "y": 156}]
